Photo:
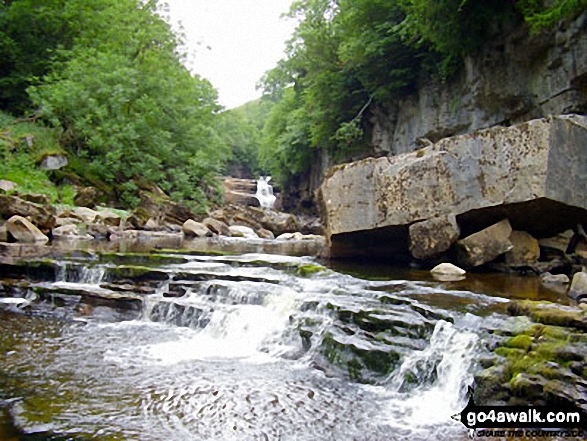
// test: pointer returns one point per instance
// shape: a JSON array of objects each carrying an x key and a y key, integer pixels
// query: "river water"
[{"x": 249, "y": 346}]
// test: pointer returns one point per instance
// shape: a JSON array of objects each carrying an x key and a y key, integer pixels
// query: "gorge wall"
[{"x": 515, "y": 78}]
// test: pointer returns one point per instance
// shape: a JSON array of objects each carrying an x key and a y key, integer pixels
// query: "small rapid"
[{"x": 240, "y": 347}]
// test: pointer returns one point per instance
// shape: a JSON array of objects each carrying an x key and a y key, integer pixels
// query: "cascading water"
[
  {"x": 243, "y": 347},
  {"x": 264, "y": 192}
]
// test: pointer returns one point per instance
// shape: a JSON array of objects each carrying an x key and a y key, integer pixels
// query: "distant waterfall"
[{"x": 265, "y": 192}]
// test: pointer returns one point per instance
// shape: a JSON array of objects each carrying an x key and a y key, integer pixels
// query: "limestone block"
[
  {"x": 485, "y": 245},
  {"x": 22, "y": 230},
  {"x": 191, "y": 228},
  {"x": 433, "y": 236},
  {"x": 525, "y": 251},
  {"x": 578, "y": 288}
]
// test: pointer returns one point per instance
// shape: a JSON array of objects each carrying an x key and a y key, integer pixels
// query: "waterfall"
[{"x": 265, "y": 192}]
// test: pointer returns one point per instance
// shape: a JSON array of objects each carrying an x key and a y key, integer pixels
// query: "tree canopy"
[
  {"x": 347, "y": 54},
  {"x": 109, "y": 75}
]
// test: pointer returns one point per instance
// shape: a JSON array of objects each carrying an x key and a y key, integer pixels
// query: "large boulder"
[
  {"x": 434, "y": 236},
  {"x": 164, "y": 210},
  {"x": 216, "y": 226},
  {"x": 532, "y": 173},
  {"x": 485, "y": 245},
  {"x": 525, "y": 249},
  {"x": 86, "y": 197},
  {"x": 191, "y": 228},
  {"x": 43, "y": 217},
  {"x": 22, "y": 230}
]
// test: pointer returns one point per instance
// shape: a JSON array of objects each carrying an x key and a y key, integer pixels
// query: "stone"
[
  {"x": 86, "y": 215},
  {"x": 191, "y": 228},
  {"x": 285, "y": 236},
  {"x": 560, "y": 242},
  {"x": 86, "y": 197},
  {"x": 54, "y": 162},
  {"x": 40, "y": 199},
  {"x": 448, "y": 269},
  {"x": 265, "y": 234},
  {"x": 554, "y": 279},
  {"x": 163, "y": 209},
  {"x": 152, "y": 225},
  {"x": 242, "y": 231},
  {"x": 525, "y": 251},
  {"x": 7, "y": 185},
  {"x": 3, "y": 233},
  {"x": 22, "y": 230},
  {"x": 216, "y": 226},
  {"x": 138, "y": 218},
  {"x": 71, "y": 232},
  {"x": 485, "y": 245},
  {"x": 578, "y": 288},
  {"x": 531, "y": 173},
  {"x": 108, "y": 217},
  {"x": 433, "y": 236},
  {"x": 43, "y": 217}
]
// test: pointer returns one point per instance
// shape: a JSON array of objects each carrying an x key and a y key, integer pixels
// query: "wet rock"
[
  {"x": 242, "y": 231},
  {"x": 554, "y": 279},
  {"x": 550, "y": 313},
  {"x": 525, "y": 251},
  {"x": 86, "y": 197},
  {"x": 70, "y": 231},
  {"x": 486, "y": 245},
  {"x": 578, "y": 288},
  {"x": 216, "y": 226},
  {"x": 191, "y": 228},
  {"x": 265, "y": 234},
  {"x": 6, "y": 185},
  {"x": 22, "y": 230},
  {"x": 447, "y": 272},
  {"x": 43, "y": 217},
  {"x": 433, "y": 236}
]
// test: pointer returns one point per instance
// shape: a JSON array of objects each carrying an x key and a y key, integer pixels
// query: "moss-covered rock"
[{"x": 550, "y": 313}]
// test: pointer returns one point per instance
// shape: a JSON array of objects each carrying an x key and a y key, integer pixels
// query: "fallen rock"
[
  {"x": 138, "y": 218},
  {"x": 216, "y": 226},
  {"x": 22, "y": 230},
  {"x": 242, "y": 231},
  {"x": 40, "y": 199},
  {"x": 108, "y": 217},
  {"x": 433, "y": 236},
  {"x": 560, "y": 242},
  {"x": 525, "y": 249},
  {"x": 554, "y": 279},
  {"x": 86, "y": 215},
  {"x": 578, "y": 288},
  {"x": 191, "y": 228},
  {"x": 484, "y": 246},
  {"x": 43, "y": 217},
  {"x": 265, "y": 234},
  {"x": 531, "y": 173},
  {"x": 86, "y": 197},
  {"x": 70, "y": 232},
  {"x": 163, "y": 209}
]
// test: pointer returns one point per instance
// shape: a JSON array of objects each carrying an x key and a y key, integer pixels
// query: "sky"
[{"x": 232, "y": 43}]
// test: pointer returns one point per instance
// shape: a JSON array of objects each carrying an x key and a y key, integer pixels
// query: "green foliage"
[
  {"x": 110, "y": 79},
  {"x": 19, "y": 160},
  {"x": 541, "y": 14},
  {"x": 347, "y": 54}
]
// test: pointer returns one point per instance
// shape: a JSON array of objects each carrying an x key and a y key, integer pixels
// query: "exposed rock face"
[
  {"x": 54, "y": 162},
  {"x": 533, "y": 174},
  {"x": 22, "y": 230},
  {"x": 489, "y": 90},
  {"x": 240, "y": 191}
]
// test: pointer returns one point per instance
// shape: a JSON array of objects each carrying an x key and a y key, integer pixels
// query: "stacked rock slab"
[{"x": 533, "y": 174}]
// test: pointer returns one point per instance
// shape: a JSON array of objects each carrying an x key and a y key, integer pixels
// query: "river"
[{"x": 193, "y": 345}]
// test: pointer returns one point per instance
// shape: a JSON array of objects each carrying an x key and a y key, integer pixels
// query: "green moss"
[
  {"x": 523, "y": 342},
  {"x": 306, "y": 270}
]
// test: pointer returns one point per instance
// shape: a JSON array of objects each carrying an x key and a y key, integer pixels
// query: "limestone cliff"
[{"x": 515, "y": 78}]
